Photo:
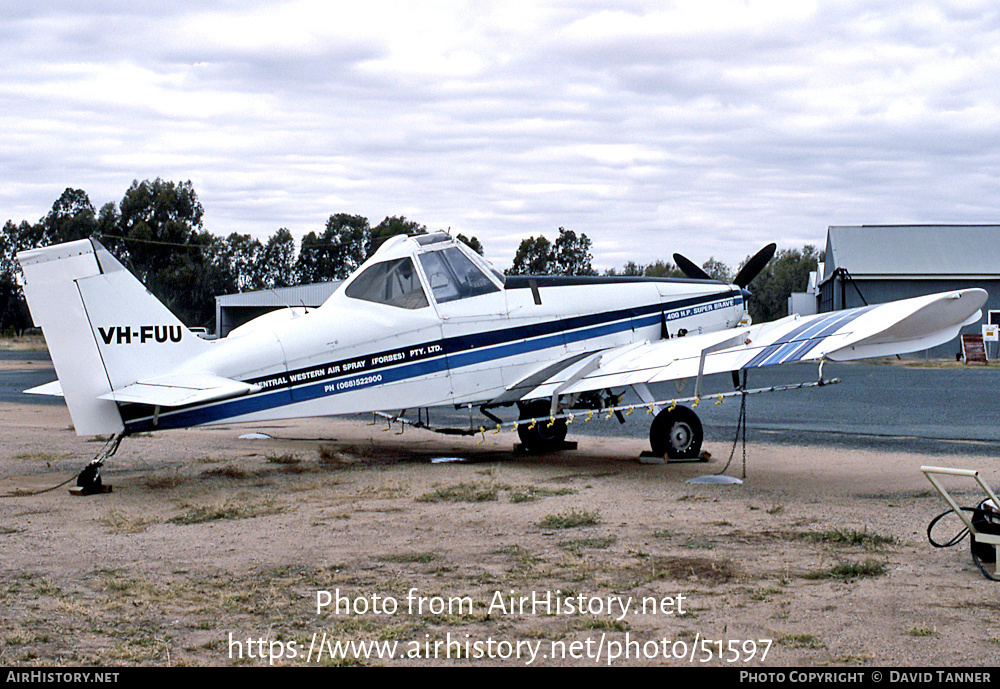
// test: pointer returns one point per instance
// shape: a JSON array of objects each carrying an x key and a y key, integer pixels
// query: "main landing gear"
[
  {"x": 542, "y": 436},
  {"x": 676, "y": 433}
]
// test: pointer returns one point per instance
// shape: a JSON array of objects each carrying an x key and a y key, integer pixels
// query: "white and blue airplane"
[{"x": 426, "y": 322}]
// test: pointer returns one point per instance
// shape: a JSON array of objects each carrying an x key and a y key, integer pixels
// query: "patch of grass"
[
  {"x": 419, "y": 558},
  {"x": 22, "y": 343},
  {"x": 799, "y": 641},
  {"x": 700, "y": 545},
  {"x": 851, "y": 537},
  {"x": 848, "y": 659},
  {"x": 763, "y": 594},
  {"x": 463, "y": 492},
  {"x": 922, "y": 631},
  {"x": 19, "y": 636},
  {"x": 691, "y": 496},
  {"x": 228, "y": 470},
  {"x": 515, "y": 551},
  {"x": 532, "y": 493},
  {"x": 42, "y": 456},
  {"x": 385, "y": 491},
  {"x": 578, "y": 545},
  {"x": 286, "y": 458},
  {"x": 165, "y": 479},
  {"x": 331, "y": 456},
  {"x": 850, "y": 570},
  {"x": 570, "y": 519},
  {"x": 123, "y": 522},
  {"x": 689, "y": 568},
  {"x": 601, "y": 624},
  {"x": 231, "y": 509}
]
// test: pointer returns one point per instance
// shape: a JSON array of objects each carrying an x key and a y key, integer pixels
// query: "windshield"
[{"x": 452, "y": 275}]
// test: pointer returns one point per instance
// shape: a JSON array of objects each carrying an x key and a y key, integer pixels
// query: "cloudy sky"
[{"x": 708, "y": 127}]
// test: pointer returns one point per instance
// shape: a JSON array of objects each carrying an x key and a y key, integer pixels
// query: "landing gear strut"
[
  {"x": 543, "y": 437},
  {"x": 676, "y": 433},
  {"x": 88, "y": 482}
]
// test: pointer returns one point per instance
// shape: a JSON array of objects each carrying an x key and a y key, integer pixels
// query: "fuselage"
[{"x": 427, "y": 322}]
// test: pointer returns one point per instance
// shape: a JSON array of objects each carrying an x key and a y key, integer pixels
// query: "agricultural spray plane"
[{"x": 426, "y": 322}]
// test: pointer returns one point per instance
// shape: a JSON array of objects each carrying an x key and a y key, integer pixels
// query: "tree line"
[{"x": 157, "y": 232}]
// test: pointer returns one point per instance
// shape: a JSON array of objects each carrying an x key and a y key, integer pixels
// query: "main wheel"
[
  {"x": 676, "y": 434},
  {"x": 543, "y": 437}
]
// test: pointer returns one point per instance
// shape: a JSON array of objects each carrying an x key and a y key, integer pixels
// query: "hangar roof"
[
  {"x": 309, "y": 295},
  {"x": 914, "y": 251}
]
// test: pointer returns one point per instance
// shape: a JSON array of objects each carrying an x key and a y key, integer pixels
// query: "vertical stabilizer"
[{"x": 104, "y": 330}]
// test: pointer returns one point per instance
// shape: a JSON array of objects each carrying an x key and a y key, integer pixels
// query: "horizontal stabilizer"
[
  {"x": 179, "y": 389},
  {"x": 54, "y": 389}
]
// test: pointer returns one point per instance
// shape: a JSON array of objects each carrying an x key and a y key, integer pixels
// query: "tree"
[
  {"x": 158, "y": 232},
  {"x": 13, "y": 308},
  {"x": 390, "y": 227},
  {"x": 533, "y": 257},
  {"x": 242, "y": 262},
  {"x": 279, "y": 259},
  {"x": 787, "y": 272},
  {"x": 471, "y": 242},
  {"x": 630, "y": 269},
  {"x": 568, "y": 255},
  {"x": 718, "y": 270},
  {"x": 663, "y": 269},
  {"x": 72, "y": 217},
  {"x": 571, "y": 254},
  {"x": 657, "y": 269},
  {"x": 337, "y": 252}
]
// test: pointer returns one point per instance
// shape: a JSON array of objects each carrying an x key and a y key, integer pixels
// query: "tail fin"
[{"x": 104, "y": 330}]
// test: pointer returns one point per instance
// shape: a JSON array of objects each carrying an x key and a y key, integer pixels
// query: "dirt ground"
[{"x": 217, "y": 550}]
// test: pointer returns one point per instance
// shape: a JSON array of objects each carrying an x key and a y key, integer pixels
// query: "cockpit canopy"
[
  {"x": 390, "y": 282},
  {"x": 448, "y": 268}
]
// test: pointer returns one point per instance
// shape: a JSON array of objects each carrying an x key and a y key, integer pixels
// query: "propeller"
[
  {"x": 756, "y": 264},
  {"x": 690, "y": 268},
  {"x": 746, "y": 275}
]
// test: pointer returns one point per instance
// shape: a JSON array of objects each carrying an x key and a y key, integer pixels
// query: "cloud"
[{"x": 708, "y": 128}]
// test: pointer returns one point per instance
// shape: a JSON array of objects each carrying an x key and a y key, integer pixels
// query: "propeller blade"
[
  {"x": 753, "y": 267},
  {"x": 689, "y": 268}
]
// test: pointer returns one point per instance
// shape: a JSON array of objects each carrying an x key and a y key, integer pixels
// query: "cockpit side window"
[
  {"x": 453, "y": 276},
  {"x": 392, "y": 282}
]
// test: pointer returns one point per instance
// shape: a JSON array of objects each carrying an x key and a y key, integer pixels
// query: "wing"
[
  {"x": 177, "y": 389},
  {"x": 881, "y": 330}
]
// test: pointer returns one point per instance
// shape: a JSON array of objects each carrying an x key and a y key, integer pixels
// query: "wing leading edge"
[{"x": 880, "y": 330}]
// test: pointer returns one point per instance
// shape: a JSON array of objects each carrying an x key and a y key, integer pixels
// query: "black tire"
[
  {"x": 676, "y": 434},
  {"x": 541, "y": 438}
]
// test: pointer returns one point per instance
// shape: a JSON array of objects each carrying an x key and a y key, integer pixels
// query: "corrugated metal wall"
[{"x": 233, "y": 310}]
